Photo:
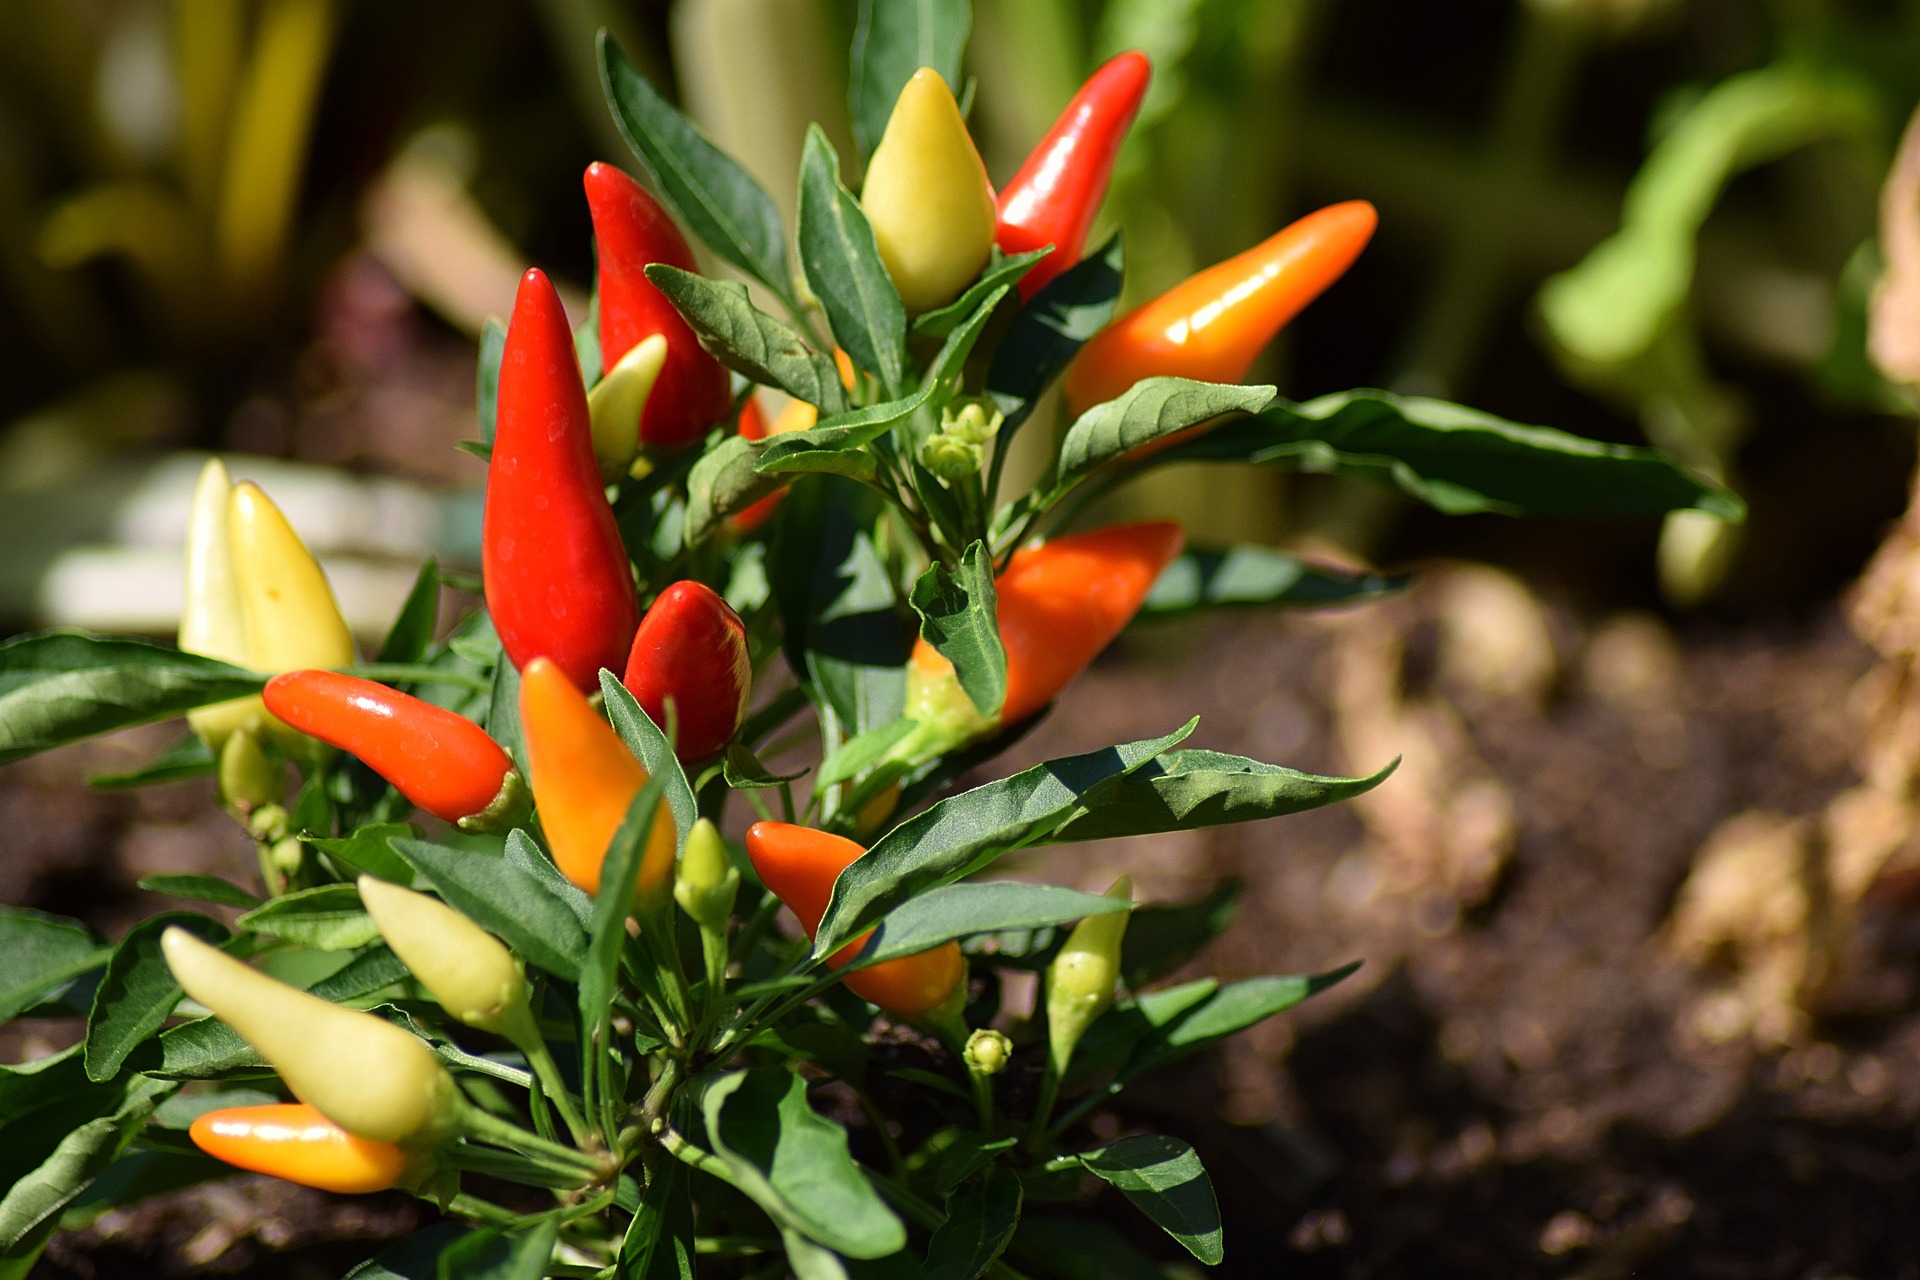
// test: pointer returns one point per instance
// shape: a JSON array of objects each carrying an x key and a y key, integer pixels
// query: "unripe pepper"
[
  {"x": 443, "y": 762},
  {"x": 292, "y": 1140},
  {"x": 618, "y": 401},
  {"x": 631, "y": 230},
  {"x": 1081, "y": 979},
  {"x": 927, "y": 195},
  {"x": 690, "y": 670},
  {"x": 706, "y": 881},
  {"x": 359, "y": 1071},
  {"x": 473, "y": 976},
  {"x": 1059, "y": 605},
  {"x": 584, "y": 779},
  {"x": 800, "y": 864},
  {"x": 558, "y": 583},
  {"x": 212, "y": 622},
  {"x": 1211, "y": 325},
  {"x": 292, "y": 618},
  {"x": 1057, "y": 193}
]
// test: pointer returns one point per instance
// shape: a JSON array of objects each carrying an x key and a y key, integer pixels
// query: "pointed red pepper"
[
  {"x": 631, "y": 230},
  {"x": 444, "y": 763},
  {"x": 558, "y": 582},
  {"x": 691, "y": 650},
  {"x": 1057, "y": 193}
]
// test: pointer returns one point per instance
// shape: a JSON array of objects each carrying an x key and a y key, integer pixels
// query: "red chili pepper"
[
  {"x": 443, "y": 762},
  {"x": 558, "y": 582},
  {"x": 1057, "y": 193},
  {"x": 1213, "y": 324},
  {"x": 291, "y": 1140},
  {"x": 631, "y": 230},
  {"x": 800, "y": 864},
  {"x": 691, "y": 651}
]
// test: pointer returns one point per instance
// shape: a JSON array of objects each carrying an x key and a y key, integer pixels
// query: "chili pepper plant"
[{"x": 518, "y": 944}]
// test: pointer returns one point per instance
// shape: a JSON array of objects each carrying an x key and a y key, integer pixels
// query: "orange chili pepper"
[
  {"x": 800, "y": 864},
  {"x": 584, "y": 779},
  {"x": 291, "y": 1140},
  {"x": 1211, "y": 326}
]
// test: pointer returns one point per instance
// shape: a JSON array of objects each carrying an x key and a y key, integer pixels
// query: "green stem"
[
  {"x": 552, "y": 1085},
  {"x": 486, "y": 1127},
  {"x": 1043, "y": 1106},
  {"x": 417, "y": 673}
]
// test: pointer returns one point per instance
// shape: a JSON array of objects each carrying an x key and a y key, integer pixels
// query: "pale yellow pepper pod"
[
  {"x": 1082, "y": 977},
  {"x": 616, "y": 402},
  {"x": 212, "y": 622},
  {"x": 468, "y": 970},
  {"x": 293, "y": 621},
  {"x": 359, "y": 1071},
  {"x": 927, "y": 196}
]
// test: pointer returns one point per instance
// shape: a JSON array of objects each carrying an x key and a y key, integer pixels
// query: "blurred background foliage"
[{"x": 276, "y": 226}]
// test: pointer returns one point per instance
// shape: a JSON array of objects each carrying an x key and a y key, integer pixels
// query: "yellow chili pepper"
[
  {"x": 473, "y": 976},
  {"x": 212, "y": 622},
  {"x": 927, "y": 196}
]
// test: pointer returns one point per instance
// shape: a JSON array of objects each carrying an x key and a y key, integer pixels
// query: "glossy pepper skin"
[
  {"x": 468, "y": 970},
  {"x": 444, "y": 763},
  {"x": 800, "y": 864},
  {"x": 1060, "y": 604},
  {"x": 584, "y": 779},
  {"x": 558, "y": 583},
  {"x": 927, "y": 195},
  {"x": 631, "y": 230},
  {"x": 691, "y": 651},
  {"x": 358, "y": 1070},
  {"x": 291, "y": 615},
  {"x": 293, "y": 1141},
  {"x": 1055, "y": 197},
  {"x": 1211, "y": 325}
]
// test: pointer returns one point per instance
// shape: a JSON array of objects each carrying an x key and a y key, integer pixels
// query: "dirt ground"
[{"x": 1535, "y": 1073}]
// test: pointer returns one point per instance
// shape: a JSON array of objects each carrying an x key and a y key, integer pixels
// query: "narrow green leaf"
[
  {"x": 486, "y": 390},
  {"x": 201, "y": 889},
  {"x": 1186, "y": 790},
  {"x": 714, "y": 197},
  {"x": 962, "y": 910},
  {"x": 611, "y": 907},
  {"x": 369, "y": 851},
  {"x": 411, "y": 635},
  {"x": 372, "y": 970},
  {"x": 843, "y": 267},
  {"x": 1001, "y": 270},
  {"x": 981, "y": 1218},
  {"x": 415, "y": 1258},
  {"x": 204, "y": 1049},
  {"x": 526, "y": 856},
  {"x": 506, "y": 900},
  {"x": 858, "y": 754},
  {"x": 951, "y": 360},
  {"x": 138, "y": 992},
  {"x": 659, "y": 1244},
  {"x": 892, "y": 39},
  {"x": 1050, "y": 329},
  {"x": 648, "y": 742},
  {"x": 40, "y": 953},
  {"x": 835, "y": 444},
  {"x": 187, "y": 758},
  {"x": 498, "y": 1254},
  {"x": 1151, "y": 409},
  {"x": 182, "y": 1109},
  {"x": 958, "y": 618},
  {"x": 1164, "y": 1177},
  {"x": 748, "y": 340},
  {"x": 725, "y": 481},
  {"x": 963, "y": 833},
  {"x": 1250, "y": 575},
  {"x": 328, "y": 917},
  {"x": 61, "y": 686},
  {"x": 503, "y": 711},
  {"x": 743, "y": 769}
]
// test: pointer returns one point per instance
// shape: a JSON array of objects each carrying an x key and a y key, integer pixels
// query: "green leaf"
[
  {"x": 611, "y": 907},
  {"x": 137, "y": 993},
  {"x": 748, "y": 340},
  {"x": 958, "y": 618},
  {"x": 412, "y": 633},
  {"x": 843, "y": 267},
  {"x": 1151, "y": 409},
  {"x": 743, "y": 769},
  {"x": 60, "y": 686},
  {"x": 893, "y": 39},
  {"x": 962, "y": 910},
  {"x": 507, "y": 900},
  {"x": 369, "y": 851},
  {"x": 374, "y": 969},
  {"x": 415, "y": 1258},
  {"x": 1080, "y": 1249},
  {"x": 80, "y": 1158},
  {"x": 182, "y": 1109},
  {"x": 858, "y": 754},
  {"x": 1186, "y": 790},
  {"x": 527, "y": 857},
  {"x": 204, "y": 1049},
  {"x": 963, "y": 833},
  {"x": 1166, "y": 1181},
  {"x": 495, "y": 1254},
  {"x": 725, "y": 481},
  {"x": 1001, "y": 270},
  {"x": 981, "y": 1217},
  {"x": 952, "y": 1156},
  {"x": 837, "y": 444},
  {"x": 1459, "y": 460},
  {"x": 187, "y": 758},
  {"x": 952, "y": 358},
  {"x": 1050, "y": 329},
  {"x": 794, "y": 1163},
  {"x": 201, "y": 889},
  {"x": 713, "y": 196},
  {"x": 648, "y": 742},
  {"x": 40, "y": 953},
  {"x": 1160, "y": 939},
  {"x": 503, "y": 711},
  {"x": 1249, "y": 574},
  {"x": 486, "y": 389},
  {"x": 328, "y": 917},
  {"x": 659, "y": 1244}
]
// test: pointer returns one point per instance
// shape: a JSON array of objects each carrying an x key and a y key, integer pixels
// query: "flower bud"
[
  {"x": 972, "y": 421},
  {"x": 706, "y": 881},
  {"x": 1081, "y": 979},
  {"x": 950, "y": 458},
  {"x": 988, "y": 1052},
  {"x": 469, "y": 972}
]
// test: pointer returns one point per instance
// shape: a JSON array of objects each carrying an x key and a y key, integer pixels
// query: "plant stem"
[
  {"x": 552, "y": 1086},
  {"x": 1043, "y": 1106},
  {"x": 418, "y": 673},
  {"x": 487, "y": 1127}
]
